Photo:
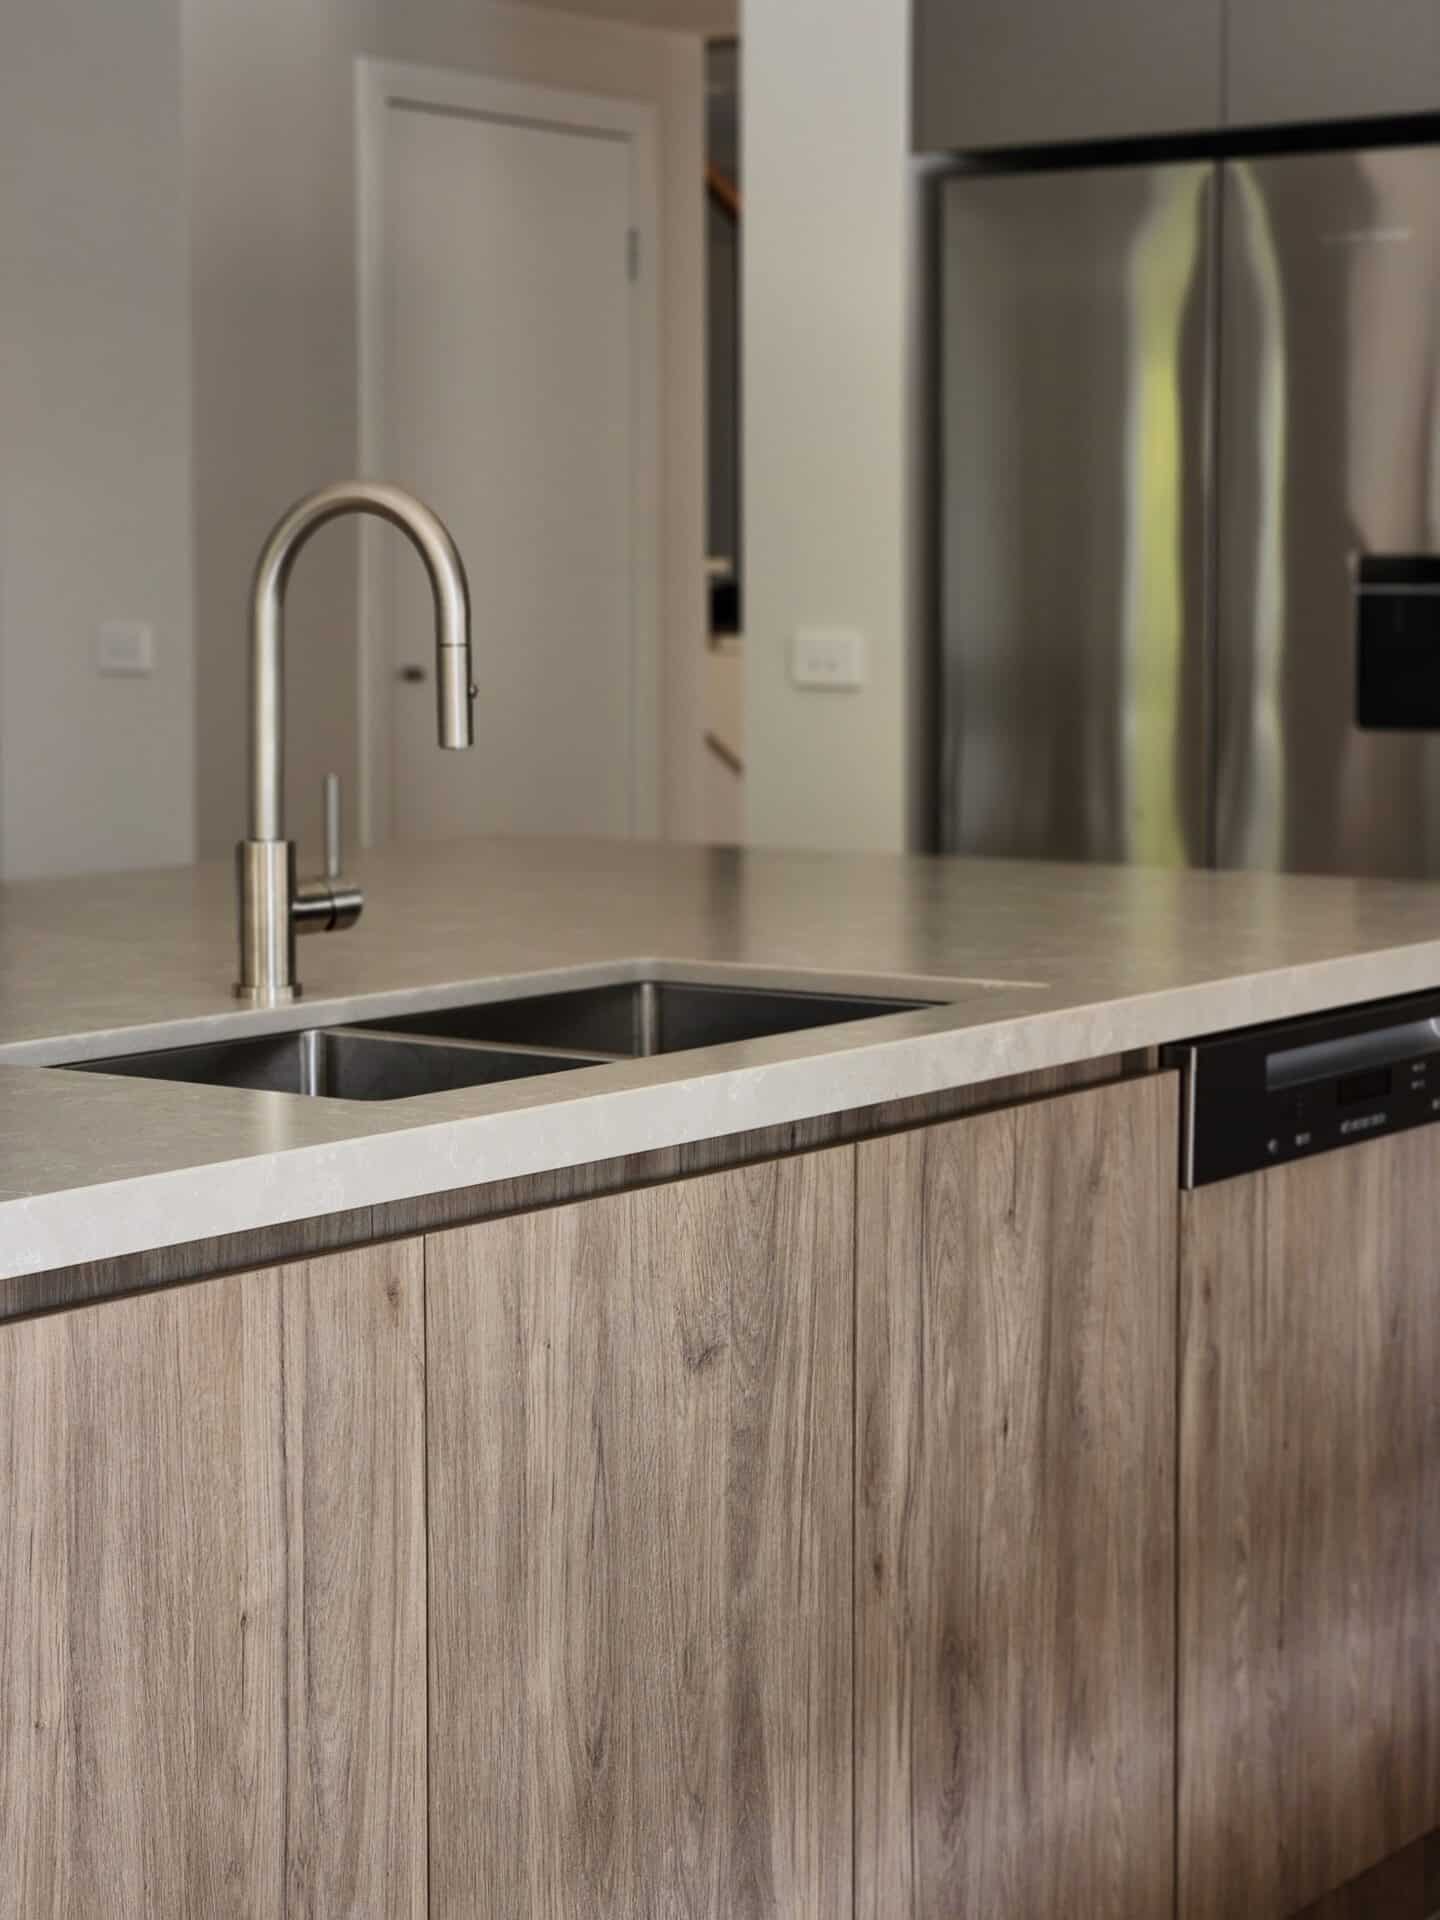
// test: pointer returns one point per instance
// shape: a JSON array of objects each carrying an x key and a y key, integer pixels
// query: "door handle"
[{"x": 412, "y": 676}]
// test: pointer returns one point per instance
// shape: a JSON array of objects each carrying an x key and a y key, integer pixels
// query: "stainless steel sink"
[
  {"x": 645, "y": 1017},
  {"x": 339, "y": 1063},
  {"x": 419, "y": 1054}
]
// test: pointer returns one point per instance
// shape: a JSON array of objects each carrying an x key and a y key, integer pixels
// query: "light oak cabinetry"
[
  {"x": 640, "y": 1544},
  {"x": 787, "y": 1541},
  {"x": 1309, "y": 1526},
  {"x": 212, "y": 1600},
  {"x": 1302, "y": 60},
  {"x": 1015, "y": 1449},
  {"x": 1018, "y": 73}
]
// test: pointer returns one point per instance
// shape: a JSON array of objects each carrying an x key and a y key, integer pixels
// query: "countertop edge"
[{"x": 112, "y": 1219}]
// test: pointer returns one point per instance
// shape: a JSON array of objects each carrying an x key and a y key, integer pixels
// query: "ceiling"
[{"x": 712, "y": 17}]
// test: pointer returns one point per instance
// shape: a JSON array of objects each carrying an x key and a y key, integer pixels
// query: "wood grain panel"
[
  {"x": 1015, "y": 1534},
  {"x": 212, "y": 1681},
  {"x": 1395, "y": 1890},
  {"x": 302, "y": 1239},
  {"x": 640, "y": 1544},
  {"x": 469, "y": 1204},
  {"x": 191, "y": 1260},
  {"x": 1310, "y": 1525}
]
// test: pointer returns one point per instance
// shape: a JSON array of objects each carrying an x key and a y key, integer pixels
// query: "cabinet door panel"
[
  {"x": 1310, "y": 1525},
  {"x": 1013, "y": 73},
  {"x": 1015, "y": 1449},
  {"x": 640, "y": 1547},
  {"x": 1298, "y": 60},
  {"x": 212, "y": 1684}
]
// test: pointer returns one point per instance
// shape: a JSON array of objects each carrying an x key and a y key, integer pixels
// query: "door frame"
[{"x": 380, "y": 85}]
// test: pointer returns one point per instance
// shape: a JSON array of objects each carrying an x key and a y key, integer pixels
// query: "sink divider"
[{"x": 588, "y": 1056}]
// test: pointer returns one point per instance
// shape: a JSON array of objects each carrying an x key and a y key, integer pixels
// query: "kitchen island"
[
  {"x": 829, "y": 1472},
  {"x": 1037, "y": 967}
]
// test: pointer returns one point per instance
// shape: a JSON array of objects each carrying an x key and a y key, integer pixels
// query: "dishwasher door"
[{"x": 1309, "y": 1623}]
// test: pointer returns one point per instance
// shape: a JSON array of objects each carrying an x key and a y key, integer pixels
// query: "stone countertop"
[{"x": 1037, "y": 965}]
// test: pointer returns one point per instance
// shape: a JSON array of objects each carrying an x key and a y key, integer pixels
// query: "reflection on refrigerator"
[{"x": 1191, "y": 414}]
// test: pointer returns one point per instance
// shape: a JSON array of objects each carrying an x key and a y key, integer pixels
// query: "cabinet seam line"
[
  {"x": 1177, "y": 1392},
  {"x": 425, "y": 1520},
  {"x": 854, "y": 1527}
]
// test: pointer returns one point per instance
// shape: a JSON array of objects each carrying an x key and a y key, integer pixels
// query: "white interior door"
[{"x": 504, "y": 353}]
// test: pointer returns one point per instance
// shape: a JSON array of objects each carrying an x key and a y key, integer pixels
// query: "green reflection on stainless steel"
[
  {"x": 1261, "y": 806},
  {"x": 1160, "y": 279}
]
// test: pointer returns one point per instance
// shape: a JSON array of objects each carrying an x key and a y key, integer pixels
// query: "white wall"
[
  {"x": 94, "y": 436},
  {"x": 269, "y": 100},
  {"x": 829, "y": 305},
  {"x": 106, "y": 112}
]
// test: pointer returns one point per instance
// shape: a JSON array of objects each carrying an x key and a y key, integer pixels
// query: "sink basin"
[
  {"x": 646, "y": 1017},
  {"x": 341, "y": 1064},
  {"x": 407, "y": 1058}
]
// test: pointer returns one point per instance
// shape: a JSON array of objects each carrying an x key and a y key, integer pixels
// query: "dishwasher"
[
  {"x": 1269, "y": 1095},
  {"x": 1308, "y": 1510}
]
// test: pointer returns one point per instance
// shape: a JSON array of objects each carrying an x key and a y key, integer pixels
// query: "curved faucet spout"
[
  {"x": 272, "y": 907},
  {"x": 448, "y": 587}
]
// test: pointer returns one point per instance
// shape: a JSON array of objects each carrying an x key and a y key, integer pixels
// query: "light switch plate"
[
  {"x": 125, "y": 646},
  {"x": 830, "y": 657}
]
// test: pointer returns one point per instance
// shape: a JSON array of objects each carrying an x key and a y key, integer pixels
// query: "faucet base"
[
  {"x": 265, "y": 881},
  {"x": 267, "y": 996}
]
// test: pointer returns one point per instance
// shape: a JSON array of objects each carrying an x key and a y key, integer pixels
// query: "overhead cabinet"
[
  {"x": 1020, "y": 73},
  {"x": 1305, "y": 60},
  {"x": 996, "y": 74}
]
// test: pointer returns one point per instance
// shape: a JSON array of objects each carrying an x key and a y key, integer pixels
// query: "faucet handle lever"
[{"x": 332, "y": 903}]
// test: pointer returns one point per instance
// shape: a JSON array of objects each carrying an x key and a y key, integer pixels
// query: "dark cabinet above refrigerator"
[
  {"x": 1300, "y": 61},
  {"x": 1015, "y": 73},
  {"x": 996, "y": 74}
]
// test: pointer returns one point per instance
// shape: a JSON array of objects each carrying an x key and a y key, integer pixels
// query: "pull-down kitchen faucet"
[{"x": 272, "y": 906}]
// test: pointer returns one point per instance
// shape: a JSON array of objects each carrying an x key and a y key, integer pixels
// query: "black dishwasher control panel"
[{"x": 1264, "y": 1095}]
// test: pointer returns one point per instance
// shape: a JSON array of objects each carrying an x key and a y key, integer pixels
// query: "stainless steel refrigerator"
[{"x": 1190, "y": 484}]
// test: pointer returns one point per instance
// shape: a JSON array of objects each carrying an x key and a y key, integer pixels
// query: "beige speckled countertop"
[{"x": 1037, "y": 965}]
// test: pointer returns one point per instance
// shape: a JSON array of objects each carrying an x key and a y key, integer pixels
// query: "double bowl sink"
[{"x": 476, "y": 1046}]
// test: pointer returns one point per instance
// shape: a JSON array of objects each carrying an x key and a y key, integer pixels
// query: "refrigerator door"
[
  {"x": 1329, "y": 463},
  {"x": 1077, "y": 316}
]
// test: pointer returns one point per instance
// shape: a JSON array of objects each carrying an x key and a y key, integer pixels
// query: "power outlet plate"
[
  {"x": 125, "y": 646},
  {"x": 828, "y": 658}
]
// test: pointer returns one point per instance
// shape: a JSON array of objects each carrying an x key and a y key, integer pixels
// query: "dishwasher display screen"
[
  {"x": 1271, "y": 1094},
  {"x": 1364, "y": 1086}
]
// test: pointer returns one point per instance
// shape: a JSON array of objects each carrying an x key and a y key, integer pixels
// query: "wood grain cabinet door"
[
  {"x": 640, "y": 1553},
  {"x": 212, "y": 1680},
  {"x": 1309, "y": 1525},
  {"x": 1014, "y": 1565}
]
